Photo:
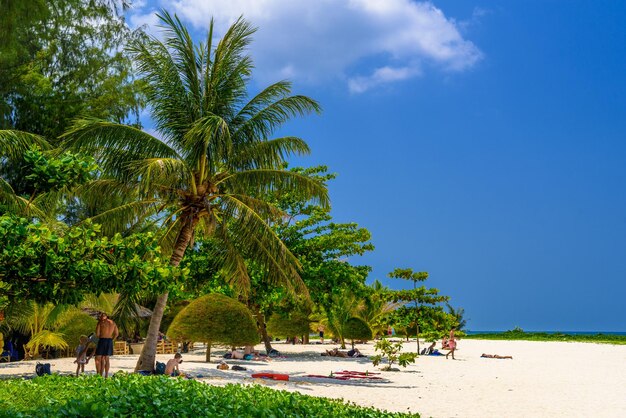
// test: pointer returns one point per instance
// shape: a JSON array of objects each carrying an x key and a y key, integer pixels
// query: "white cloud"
[
  {"x": 366, "y": 43},
  {"x": 380, "y": 76}
]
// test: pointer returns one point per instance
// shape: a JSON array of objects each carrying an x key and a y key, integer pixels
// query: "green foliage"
[
  {"x": 420, "y": 304},
  {"x": 345, "y": 306},
  {"x": 322, "y": 246},
  {"x": 215, "y": 318},
  {"x": 357, "y": 329},
  {"x": 76, "y": 324},
  {"x": 519, "y": 334},
  {"x": 459, "y": 315},
  {"x": 205, "y": 174},
  {"x": 41, "y": 323},
  {"x": 151, "y": 396},
  {"x": 392, "y": 352},
  {"x": 293, "y": 325},
  {"x": 378, "y": 310},
  {"x": 47, "y": 172},
  {"x": 63, "y": 59},
  {"x": 43, "y": 264},
  {"x": 172, "y": 310}
]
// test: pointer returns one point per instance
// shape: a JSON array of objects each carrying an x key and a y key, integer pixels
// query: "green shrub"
[
  {"x": 288, "y": 326},
  {"x": 391, "y": 351},
  {"x": 357, "y": 329},
  {"x": 215, "y": 318},
  {"x": 153, "y": 396}
]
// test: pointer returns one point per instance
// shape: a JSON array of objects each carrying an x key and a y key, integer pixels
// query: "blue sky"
[{"x": 480, "y": 141}]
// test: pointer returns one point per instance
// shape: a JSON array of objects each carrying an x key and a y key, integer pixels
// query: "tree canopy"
[{"x": 215, "y": 318}]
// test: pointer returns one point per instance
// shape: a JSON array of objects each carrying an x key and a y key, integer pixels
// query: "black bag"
[
  {"x": 160, "y": 368},
  {"x": 42, "y": 368}
]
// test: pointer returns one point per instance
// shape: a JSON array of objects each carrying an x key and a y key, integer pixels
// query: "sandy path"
[{"x": 545, "y": 379}]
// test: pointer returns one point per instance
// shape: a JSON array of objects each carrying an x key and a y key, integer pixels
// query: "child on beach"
[
  {"x": 81, "y": 355},
  {"x": 171, "y": 369}
]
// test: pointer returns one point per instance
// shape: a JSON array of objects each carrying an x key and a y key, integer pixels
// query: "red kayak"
[{"x": 273, "y": 376}]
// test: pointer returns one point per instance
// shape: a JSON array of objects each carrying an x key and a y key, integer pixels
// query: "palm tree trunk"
[
  {"x": 147, "y": 358},
  {"x": 208, "y": 352}
]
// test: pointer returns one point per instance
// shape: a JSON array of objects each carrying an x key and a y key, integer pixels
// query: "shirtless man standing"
[{"x": 107, "y": 332}]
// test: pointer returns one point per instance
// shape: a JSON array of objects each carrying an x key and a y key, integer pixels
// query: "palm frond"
[
  {"x": 120, "y": 218},
  {"x": 258, "y": 241},
  {"x": 114, "y": 145},
  {"x": 47, "y": 339},
  {"x": 262, "y": 124},
  {"x": 207, "y": 142},
  {"x": 260, "y": 182},
  {"x": 155, "y": 174},
  {"x": 13, "y": 144},
  {"x": 269, "y": 154}
]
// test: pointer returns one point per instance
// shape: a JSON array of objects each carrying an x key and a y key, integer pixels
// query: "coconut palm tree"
[{"x": 210, "y": 161}]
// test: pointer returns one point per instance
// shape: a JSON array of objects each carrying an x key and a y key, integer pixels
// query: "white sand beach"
[{"x": 544, "y": 379}]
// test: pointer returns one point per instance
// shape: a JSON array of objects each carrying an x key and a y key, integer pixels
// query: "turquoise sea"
[{"x": 554, "y": 332}]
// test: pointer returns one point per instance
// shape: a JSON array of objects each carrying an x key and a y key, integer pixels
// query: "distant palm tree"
[
  {"x": 211, "y": 161},
  {"x": 459, "y": 314},
  {"x": 377, "y": 308}
]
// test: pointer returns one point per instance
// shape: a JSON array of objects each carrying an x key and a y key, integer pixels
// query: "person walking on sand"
[
  {"x": 107, "y": 332},
  {"x": 321, "y": 331},
  {"x": 451, "y": 344}
]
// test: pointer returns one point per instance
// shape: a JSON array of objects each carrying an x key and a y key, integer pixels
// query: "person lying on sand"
[
  {"x": 355, "y": 353},
  {"x": 335, "y": 352},
  {"x": 496, "y": 356},
  {"x": 249, "y": 353}
]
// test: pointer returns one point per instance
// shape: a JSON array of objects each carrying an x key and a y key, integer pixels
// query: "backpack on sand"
[{"x": 42, "y": 368}]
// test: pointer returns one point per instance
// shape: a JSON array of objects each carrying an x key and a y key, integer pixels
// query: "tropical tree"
[
  {"x": 357, "y": 329},
  {"x": 14, "y": 145},
  {"x": 214, "y": 318},
  {"x": 345, "y": 307},
  {"x": 64, "y": 58},
  {"x": 459, "y": 315},
  {"x": 212, "y": 160},
  {"x": 424, "y": 301},
  {"x": 293, "y": 325},
  {"x": 377, "y": 310}
]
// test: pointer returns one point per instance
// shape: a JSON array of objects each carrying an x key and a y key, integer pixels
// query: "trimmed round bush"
[
  {"x": 215, "y": 318},
  {"x": 357, "y": 329},
  {"x": 288, "y": 326}
]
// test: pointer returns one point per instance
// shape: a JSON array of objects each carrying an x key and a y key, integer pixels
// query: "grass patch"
[
  {"x": 149, "y": 396},
  {"x": 518, "y": 334}
]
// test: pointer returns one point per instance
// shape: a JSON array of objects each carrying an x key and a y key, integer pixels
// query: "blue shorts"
[{"x": 104, "y": 347}]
